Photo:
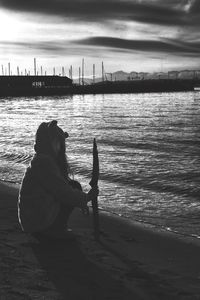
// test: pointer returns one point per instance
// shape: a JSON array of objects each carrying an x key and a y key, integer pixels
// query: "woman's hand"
[{"x": 93, "y": 193}]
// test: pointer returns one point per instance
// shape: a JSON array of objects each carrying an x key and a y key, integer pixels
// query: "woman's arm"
[{"x": 47, "y": 174}]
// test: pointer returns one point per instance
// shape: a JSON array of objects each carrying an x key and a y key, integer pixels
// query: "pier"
[
  {"x": 62, "y": 85},
  {"x": 44, "y": 85}
]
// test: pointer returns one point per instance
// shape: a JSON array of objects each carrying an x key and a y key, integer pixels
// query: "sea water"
[{"x": 149, "y": 150}]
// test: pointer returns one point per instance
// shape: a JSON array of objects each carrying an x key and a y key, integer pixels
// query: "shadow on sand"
[{"x": 74, "y": 276}]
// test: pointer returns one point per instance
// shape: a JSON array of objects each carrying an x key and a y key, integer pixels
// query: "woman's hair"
[
  {"x": 46, "y": 133},
  {"x": 61, "y": 159}
]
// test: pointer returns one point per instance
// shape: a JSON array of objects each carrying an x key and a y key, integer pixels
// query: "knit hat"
[{"x": 46, "y": 133}]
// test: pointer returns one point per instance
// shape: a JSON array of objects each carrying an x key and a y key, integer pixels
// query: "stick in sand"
[{"x": 94, "y": 183}]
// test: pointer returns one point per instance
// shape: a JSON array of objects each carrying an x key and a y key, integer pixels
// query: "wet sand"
[{"x": 131, "y": 260}]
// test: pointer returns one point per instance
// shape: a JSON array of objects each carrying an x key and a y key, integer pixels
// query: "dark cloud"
[
  {"x": 163, "y": 46},
  {"x": 153, "y": 12},
  {"x": 46, "y": 45},
  {"x": 111, "y": 44},
  {"x": 106, "y": 46},
  {"x": 195, "y": 6},
  {"x": 54, "y": 47}
]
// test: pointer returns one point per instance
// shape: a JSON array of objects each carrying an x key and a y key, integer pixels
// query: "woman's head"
[
  {"x": 50, "y": 139},
  {"x": 57, "y": 137}
]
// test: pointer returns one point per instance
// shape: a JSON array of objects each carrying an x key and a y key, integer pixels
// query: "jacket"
[{"x": 42, "y": 192}]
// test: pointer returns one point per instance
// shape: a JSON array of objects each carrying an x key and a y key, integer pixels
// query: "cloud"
[
  {"x": 151, "y": 12},
  {"x": 107, "y": 44},
  {"x": 48, "y": 48},
  {"x": 167, "y": 46}
]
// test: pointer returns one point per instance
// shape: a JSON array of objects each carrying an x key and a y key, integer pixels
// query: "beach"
[{"x": 131, "y": 261}]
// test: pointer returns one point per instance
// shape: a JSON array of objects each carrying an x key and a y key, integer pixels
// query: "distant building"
[
  {"x": 186, "y": 74},
  {"x": 120, "y": 76},
  {"x": 133, "y": 76},
  {"x": 142, "y": 75},
  {"x": 173, "y": 74},
  {"x": 197, "y": 74},
  {"x": 34, "y": 82}
]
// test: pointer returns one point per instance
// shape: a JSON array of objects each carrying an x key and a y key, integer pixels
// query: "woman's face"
[{"x": 56, "y": 145}]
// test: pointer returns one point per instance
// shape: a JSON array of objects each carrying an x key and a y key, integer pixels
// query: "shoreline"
[
  {"x": 131, "y": 261},
  {"x": 135, "y": 221}
]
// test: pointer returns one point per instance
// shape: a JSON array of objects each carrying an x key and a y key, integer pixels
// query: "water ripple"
[{"x": 148, "y": 144}]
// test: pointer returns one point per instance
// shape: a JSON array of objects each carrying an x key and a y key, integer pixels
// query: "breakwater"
[{"x": 106, "y": 87}]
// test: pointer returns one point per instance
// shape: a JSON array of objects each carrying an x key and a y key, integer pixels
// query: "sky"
[{"x": 128, "y": 35}]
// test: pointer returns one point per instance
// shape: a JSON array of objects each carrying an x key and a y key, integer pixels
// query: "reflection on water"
[{"x": 148, "y": 147}]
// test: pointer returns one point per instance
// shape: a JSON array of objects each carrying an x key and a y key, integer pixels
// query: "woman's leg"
[
  {"x": 60, "y": 224},
  {"x": 59, "y": 227}
]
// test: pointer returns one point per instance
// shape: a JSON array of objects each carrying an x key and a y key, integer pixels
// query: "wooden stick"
[{"x": 94, "y": 183}]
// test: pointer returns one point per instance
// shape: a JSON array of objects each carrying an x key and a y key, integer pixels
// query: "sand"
[{"x": 131, "y": 260}]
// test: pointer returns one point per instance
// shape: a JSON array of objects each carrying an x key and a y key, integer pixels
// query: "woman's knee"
[{"x": 76, "y": 185}]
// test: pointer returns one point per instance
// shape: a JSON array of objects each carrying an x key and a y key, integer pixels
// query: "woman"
[{"x": 47, "y": 195}]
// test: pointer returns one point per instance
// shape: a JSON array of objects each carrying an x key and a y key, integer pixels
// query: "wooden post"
[
  {"x": 35, "y": 67},
  {"x": 83, "y": 71},
  {"x": 9, "y": 69},
  {"x": 93, "y": 73},
  {"x": 71, "y": 72},
  {"x": 94, "y": 183},
  {"x": 102, "y": 71},
  {"x": 79, "y": 75}
]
